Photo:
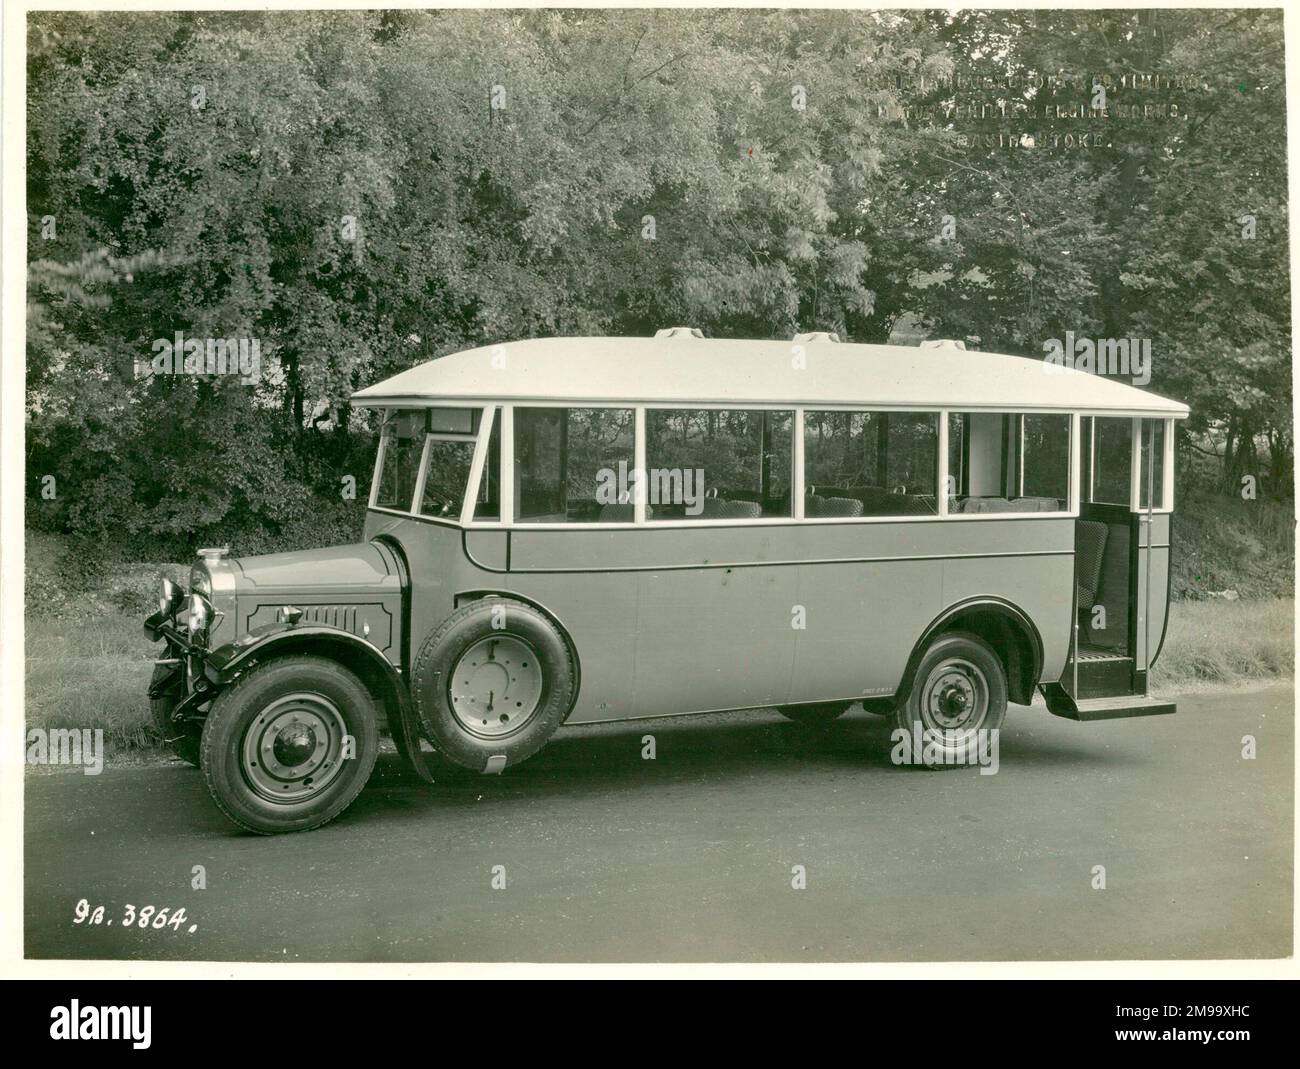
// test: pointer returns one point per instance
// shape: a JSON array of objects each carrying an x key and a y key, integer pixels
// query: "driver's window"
[
  {"x": 402, "y": 441},
  {"x": 446, "y": 473}
]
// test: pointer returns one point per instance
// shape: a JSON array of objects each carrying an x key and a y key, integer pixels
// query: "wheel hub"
[
  {"x": 956, "y": 696},
  {"x": 496, "y": 686},
  {"x": 953, "y": 701},
  {"x": 293, "y": 749},
  {"x": 294, "y": 744}
]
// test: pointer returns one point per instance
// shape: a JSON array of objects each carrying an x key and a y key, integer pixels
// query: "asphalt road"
[{"x": 609, "y": 857}]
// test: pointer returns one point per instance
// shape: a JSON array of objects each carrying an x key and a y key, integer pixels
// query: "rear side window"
[
  {"x": 1045, "y": 459},
  {"x": 1152, "y": 428},
  {"x": 981, "y": 459},
  {"x": 1112, "y": 460},
  {"x": 1005, "y": 463}
]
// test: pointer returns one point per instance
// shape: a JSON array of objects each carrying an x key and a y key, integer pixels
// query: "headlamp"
[
  {"x": 200, "y": 615},
  {"x": 201, "y": 580},
  {"x": 170, "y": 599}
]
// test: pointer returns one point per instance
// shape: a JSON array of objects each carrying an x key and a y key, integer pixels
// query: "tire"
[
  {"x": 490, "y": 696},
  {"x": 256, "y": 736},
  {"x": 959, "y": 688},
  {"x": 817, "y": 714},
  {"x": 183, "y": 739}
]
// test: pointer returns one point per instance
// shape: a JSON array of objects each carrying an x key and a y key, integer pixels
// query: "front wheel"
[
  {"x": 959, "y": 691},
  {"x": 290, "y": 745}
]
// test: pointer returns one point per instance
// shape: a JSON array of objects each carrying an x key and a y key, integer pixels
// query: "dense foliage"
[{"x": 360, "y": 191}]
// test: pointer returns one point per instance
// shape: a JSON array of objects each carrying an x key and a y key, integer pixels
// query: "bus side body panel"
[
  {"x": 437, "y": 567},
  {"x": 880, "y": 606},
  {"x": 676, "y": 620},
  {"x": 713, "y": 638},
  {"x": 862, "y": 620},
  {"x": 596, "y": 608},
  {"x": 729, "y": 617},
  {"x": 680, "y": 619},
  {"x": 1040, "y": 586}
]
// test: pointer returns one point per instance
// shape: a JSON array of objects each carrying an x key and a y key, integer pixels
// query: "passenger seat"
[
  {"x": 1089, "y": 552},
  {"x": 622, "y": 513},
  {"x": 832, "y": 506},
  {"x": 720, "y": 508}
]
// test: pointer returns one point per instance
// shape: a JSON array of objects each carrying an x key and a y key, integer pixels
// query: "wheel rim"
[
  {"x": 293, "y": 749},
  {"x": 955, "y": 697},
  {"x": 496, "y": 686}
]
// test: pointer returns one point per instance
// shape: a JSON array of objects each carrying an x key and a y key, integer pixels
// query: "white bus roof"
[{"x": 695, "y": 372}]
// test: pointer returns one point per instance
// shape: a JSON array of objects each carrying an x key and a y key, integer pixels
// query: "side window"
[
  {"x": 539, "y": 465},
  {"x": 910, "y": 442},
  {"x": 983, "y": 469},
  {"x": 573, "y": 465},
  {"x": 402, "y": 442},
  {"x": 1004, "y": 463},
  {"x": 1045, "y": 460},
  {"x": 870, "y": 463},
  {"x": 718, "y": 464},
  {"x": 446, "y": 474},
  {"x": 1112, "y": 460}
]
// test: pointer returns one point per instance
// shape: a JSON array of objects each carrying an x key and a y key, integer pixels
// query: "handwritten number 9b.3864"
[{"x": 144, "y": 917}]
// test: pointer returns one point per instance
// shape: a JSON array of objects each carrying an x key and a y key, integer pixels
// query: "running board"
[{"x": 1114, "y": 708}]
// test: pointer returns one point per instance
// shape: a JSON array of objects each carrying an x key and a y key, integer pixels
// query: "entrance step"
[
  {"x": 1113, "y": 707},
  {"x": 1104, "y": 676}
]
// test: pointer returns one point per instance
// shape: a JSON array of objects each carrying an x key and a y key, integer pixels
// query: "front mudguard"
[{"x": 226, "y": 663}]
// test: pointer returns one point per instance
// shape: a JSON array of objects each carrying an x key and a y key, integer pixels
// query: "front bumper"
[
  {"x": 186, "y": 672},
  {"x": 180, "y": 645}
]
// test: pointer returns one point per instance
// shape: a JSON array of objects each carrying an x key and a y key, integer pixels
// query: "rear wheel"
[
  {"x": 815, "y": 714},
  {"x": 492, "y": 683},
  {"x": 185, "y": 737},
  {"x": 959, "y": 690},
  {"x": 290, "y": 745}
]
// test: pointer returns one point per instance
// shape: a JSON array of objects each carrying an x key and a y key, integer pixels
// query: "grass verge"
[
  {"x": 91, "y": 672},
  {"x": 1226, "y": 642}
]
